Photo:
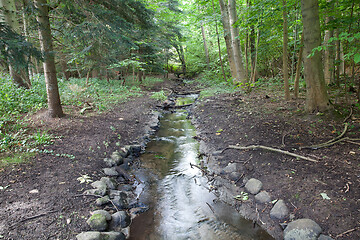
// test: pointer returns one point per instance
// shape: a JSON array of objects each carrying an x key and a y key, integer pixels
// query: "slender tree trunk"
[
  {"x": 316, "y": 94},
  {"x": 218, "y": 41},
  {"x": 285, "y": 53},
  {"x": 246, "y": 54},
  {"x": 227, "y": 37},
  {"x": 205, "y": 46},
  {"x": 53, "y": 96},
  {"x": 254, "y": 73},
  {"x": 241, "y": 76},
  {"x": 298, "y": 68},
  {"x": 8, "y": 16},
  {"x": 329, "y": 55}
]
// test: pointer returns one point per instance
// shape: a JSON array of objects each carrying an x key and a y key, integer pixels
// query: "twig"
[
  {"x": 201, "y": 169},
  {"x": 346, "y": 140},
  {"x": 348, "y": 117},
  {"x": 331, "y": 142},
  {"x": 32, "y": 217},
  {"x": 211, "y": 208},
  {"x": 346, "y": 232},
  {"x": 253, "y": 147},
  {"x": 239, "y": 178}
]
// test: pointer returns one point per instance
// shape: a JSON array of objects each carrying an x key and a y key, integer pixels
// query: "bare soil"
[{"x": 58, "y": 211}]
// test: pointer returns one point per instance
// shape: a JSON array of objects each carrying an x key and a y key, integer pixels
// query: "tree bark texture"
[
  {"x": 316, "y": 94},
  {"x": 329, "y": 56},
  {"x": 227, "y": 37},
  {"x": 235, "y": 41},
  {"x": 206, "y": 50},
  {"x": 52, "y": 89},
  {"x": 298, "y": 68},
  {"x": 285, "y": 54}
]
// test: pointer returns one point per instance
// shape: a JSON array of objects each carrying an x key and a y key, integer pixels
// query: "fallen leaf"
[{"x": 324, "y": 196}]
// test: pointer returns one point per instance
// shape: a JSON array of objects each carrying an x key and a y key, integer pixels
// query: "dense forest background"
[{"x": 94, "y": 53}]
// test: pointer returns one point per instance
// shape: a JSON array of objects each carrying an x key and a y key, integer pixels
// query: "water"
[{"x": 181, "y": 206}]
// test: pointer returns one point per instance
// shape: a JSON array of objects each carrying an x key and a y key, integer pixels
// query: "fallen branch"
[
  {"x": 201, "y": 169},
  {"x": 331, "y": 142},
  {"x": 346, "y": 232},
  {"x": 32, "y": 217},
  {"x": 253, "y": 147}
]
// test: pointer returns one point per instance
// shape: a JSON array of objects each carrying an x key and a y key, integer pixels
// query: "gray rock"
[
  {"x": 102, "y": 201},
  {"x": 325, "y": 237},
  {"x": 119, "y": 220},
  {"x": 110, "y": 171},
  {"x": 110, "y": 183},
  {"x": 100, "y": 186},
  {"x": 103, "y": 212},
  {"x": 96, "y": 191},
  {"x": 112, "y": 236},
  {"x": 234, "y": 176},
  {"x": 88, "y": 236},
  {"x": 302, "y": 229},
  {"x": 135, "y": 149},
  {"x": 253, "y": 186},
  {"x": 114, "y": 193},
  {"x": 111, "y": 162},
  {"x": 120, "y": 202},
  {"x": 97, "y": 222},
  {"x": 262, "y": 197},
  {"x": 125, "y": 187},
  {"x": 231, "y": 167},
  {"x": 117, "y": 158},
  {"x": 279, "y": 211}
]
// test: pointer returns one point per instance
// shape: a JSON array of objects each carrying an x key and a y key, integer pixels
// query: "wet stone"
[
  {"x": 88, "y": 236},
  {"x": 120, "y": 219},
  {"x": 110, "y": 171},
  {"x": 102, "y": 201},
  {"x": 112, "y": 236},
  {"x": 100, "y": 186},
  {"x": 119, "y": 202},
  {"x": 279, "y": 211},
  {"x": 302, "y": 229},
  {"x": 97, "y": 222},
  {"x": 117, "y": 158},
  {"x": 262, "y": 197},
  {"x": 253, "y": 186},
  {"x": 110, "y": 183}
]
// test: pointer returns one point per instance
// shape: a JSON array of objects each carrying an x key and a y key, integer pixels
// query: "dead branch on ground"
[{"x": 254, "y": 147}]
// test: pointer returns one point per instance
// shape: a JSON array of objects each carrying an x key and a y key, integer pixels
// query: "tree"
[
  {"x": 52, "y": 89},
  {"x": 8, "y": 15},
  {"x": 316, "y": 93},
  {"x": 285, "y": 53}
]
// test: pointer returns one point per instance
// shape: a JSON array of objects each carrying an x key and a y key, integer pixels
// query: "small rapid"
[{"x": 181, "y": 205}]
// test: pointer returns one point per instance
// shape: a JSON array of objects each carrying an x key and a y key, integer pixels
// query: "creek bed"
[{"x": 181, "y": 205}]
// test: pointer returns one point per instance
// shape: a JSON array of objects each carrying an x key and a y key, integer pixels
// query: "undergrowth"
[{"x": 18, "y": 141}]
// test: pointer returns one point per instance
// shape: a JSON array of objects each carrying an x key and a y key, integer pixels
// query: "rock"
[
  {"x": 34, "y": 191},
  {"x": 120, "y": 202},
  {"x": 102, "y": 201},
  {"x": 262, "y": 197},
  {"x": 114, "y": 193},
  {"x": 135, "y": 149},
  {"x": 103, "y": 212},
  {"x": 231, "y": 167},
  {"x": 302, "y": 229},
  {"x": 325, "y": 237},
  {"x": 95, "y": 192},
  {"x": 120, "y": 220},
  {"x": 100, "y": 186},
  {"x": 279, "y": 211},
  {"x": 234, "y": 176},
  {"x": 125, "y": 187},
  {"x": 112, "y": 236},
  {"x": 97, "y": 222},
  {"x": 110, "y": 183},
  {"x": 88, "y": 236},
  {"x": 110, "y": 171},
  {"x": 253, "y": 186},
  {"x": 116, "y": 159}
]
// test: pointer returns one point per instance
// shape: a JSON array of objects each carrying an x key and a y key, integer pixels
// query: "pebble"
[{"x": 262, "y": 197}]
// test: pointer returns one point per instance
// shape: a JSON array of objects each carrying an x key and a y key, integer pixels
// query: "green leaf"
[{"x": 357, "y": 58}]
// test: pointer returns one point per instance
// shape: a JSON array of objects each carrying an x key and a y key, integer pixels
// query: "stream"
[{"x": 181, "y": 205}]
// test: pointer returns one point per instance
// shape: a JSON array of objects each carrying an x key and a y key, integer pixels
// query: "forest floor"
[{"x": 41, "y": 199}]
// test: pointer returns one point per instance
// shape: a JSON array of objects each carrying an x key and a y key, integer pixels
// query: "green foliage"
[{"x": 159, "y": 96}]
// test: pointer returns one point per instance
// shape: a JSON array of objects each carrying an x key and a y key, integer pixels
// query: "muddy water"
[{"x": 181, "y": 206}]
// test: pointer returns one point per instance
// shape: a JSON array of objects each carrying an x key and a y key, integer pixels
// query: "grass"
[{"x": 18, "y": 142}]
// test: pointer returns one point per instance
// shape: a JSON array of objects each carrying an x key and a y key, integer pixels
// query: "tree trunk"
[
  {"x": 52, "y": 89},
  {"x": 8, "y": 15},
  {"x": 227, "y": 37},
  {"x": 254, "y": 73},
  {"x": 241, "y": 76},
  {"x": 316, "y": 95},
  {"x": 205, "y": 46},
  {"x": 285, "y": 54},
  {"x": 298, "y": 68},
  {"x": 218, "y": 41},
  {"x": 329, "y": 55}
]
